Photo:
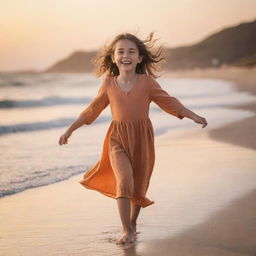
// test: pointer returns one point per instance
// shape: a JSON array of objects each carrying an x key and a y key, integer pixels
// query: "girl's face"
[{"x": 126, "y": 56}]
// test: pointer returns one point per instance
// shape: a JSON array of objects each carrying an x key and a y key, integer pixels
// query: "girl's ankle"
[{"x": 127, "y": 229}]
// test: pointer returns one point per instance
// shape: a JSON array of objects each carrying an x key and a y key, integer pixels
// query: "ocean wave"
[
  {"x": 6, "y": 129},
  {"x": 57, "y": 100},
  {"x": 32, "y": 181},
  {"x": 47, "y": 101}
]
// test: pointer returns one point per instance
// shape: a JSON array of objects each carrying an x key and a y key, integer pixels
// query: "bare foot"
[{"x": 126, "y": 237}]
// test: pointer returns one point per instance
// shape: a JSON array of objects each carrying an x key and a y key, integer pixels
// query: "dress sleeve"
[
  {"x": 164, "y": 100},
  {"x": 96, "y": 106}
]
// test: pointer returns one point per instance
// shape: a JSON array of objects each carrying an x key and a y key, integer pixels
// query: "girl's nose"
[{"x": 125, "y": 54}]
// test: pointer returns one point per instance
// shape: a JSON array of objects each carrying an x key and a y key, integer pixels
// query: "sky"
[{"x": 34, "y": 34}]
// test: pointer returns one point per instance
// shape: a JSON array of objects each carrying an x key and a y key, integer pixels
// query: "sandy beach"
[{"x": 204, "y": 198}]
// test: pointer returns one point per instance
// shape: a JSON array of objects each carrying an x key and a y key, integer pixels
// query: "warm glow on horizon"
[{"x": 35, "y": 34}]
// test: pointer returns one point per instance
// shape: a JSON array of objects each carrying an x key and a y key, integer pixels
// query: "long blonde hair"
[{"x": 104, "y": 64}]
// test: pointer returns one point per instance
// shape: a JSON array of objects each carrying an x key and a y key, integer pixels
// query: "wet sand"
[
  {"x": 207, "y": 207},
  {"x": 230, "y": 231},
  {"x": 223, "y": 197}
]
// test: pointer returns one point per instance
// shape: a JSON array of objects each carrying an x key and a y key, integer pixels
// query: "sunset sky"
[{"x": 36, "y": 33}]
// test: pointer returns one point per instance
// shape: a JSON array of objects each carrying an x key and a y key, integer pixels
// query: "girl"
[{"x": 126, "y": 164}]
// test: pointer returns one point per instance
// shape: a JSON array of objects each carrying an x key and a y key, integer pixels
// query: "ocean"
[{"x": 36, "y": 109}]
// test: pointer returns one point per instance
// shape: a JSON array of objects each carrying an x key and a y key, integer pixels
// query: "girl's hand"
[
  {"x": 200, "y": 120},
  {"x": 64, "y": 138}
]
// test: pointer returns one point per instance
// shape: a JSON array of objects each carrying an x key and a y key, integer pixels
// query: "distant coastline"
[{"x": 231, "y": 47}]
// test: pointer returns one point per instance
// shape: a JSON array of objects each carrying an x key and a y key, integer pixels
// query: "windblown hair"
[{"x": 149, "y": 64}]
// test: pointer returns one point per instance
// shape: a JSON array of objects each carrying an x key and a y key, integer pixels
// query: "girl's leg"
[
  {"x": 135, "y": 210},
  {"x": 123, "y": 172},
  {"x": 124, "y": 211}
]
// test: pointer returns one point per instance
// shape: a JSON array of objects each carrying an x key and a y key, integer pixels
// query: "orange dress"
[{"x": 128, "y": 154}]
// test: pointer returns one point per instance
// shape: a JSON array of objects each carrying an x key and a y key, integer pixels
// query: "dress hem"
[{"x": 111, "y": 195}]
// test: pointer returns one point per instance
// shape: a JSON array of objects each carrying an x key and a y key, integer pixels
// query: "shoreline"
[{"x": 244, "y": 79}]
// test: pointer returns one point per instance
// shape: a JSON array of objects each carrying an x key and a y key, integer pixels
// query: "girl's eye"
[{"x": 129, "y": 52}]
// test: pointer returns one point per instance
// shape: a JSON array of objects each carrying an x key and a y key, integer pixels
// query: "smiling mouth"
[{"x": 126, "y": 62}]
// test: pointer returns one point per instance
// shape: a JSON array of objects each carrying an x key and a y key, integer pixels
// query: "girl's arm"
[
  {"x": 89, "y": 114},
  {"x": 196, "y": 118},
  {"x": 75, "y": 125},
  {"x": 171, "y": 104}
]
